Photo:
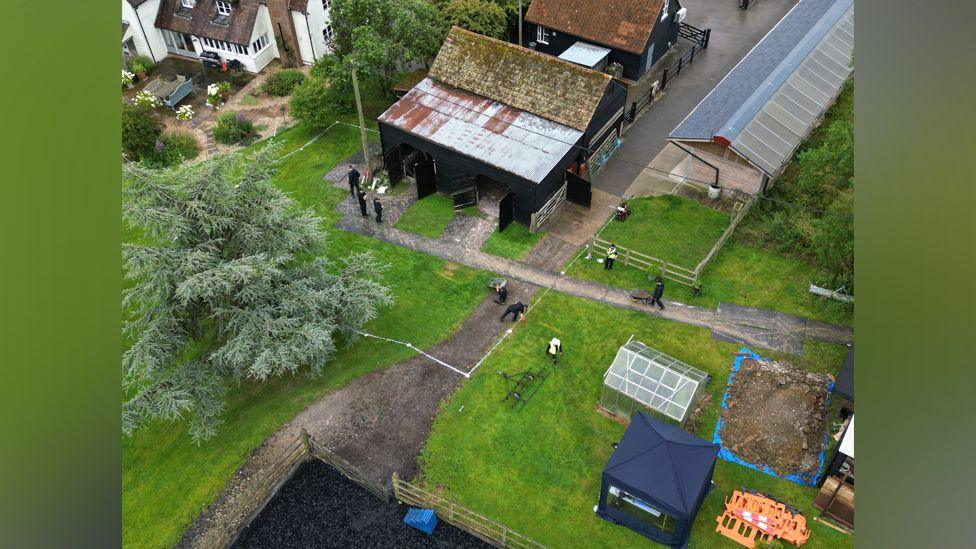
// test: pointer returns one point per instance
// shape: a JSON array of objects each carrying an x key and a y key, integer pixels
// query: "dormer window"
[
  {"x": 223, "y": 8},
  {"x": 188, "y": 3},
  {"x": 665, "y": 10}
]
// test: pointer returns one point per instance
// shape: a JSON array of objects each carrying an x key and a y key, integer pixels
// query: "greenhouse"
[{"x": 644, "y": 379}]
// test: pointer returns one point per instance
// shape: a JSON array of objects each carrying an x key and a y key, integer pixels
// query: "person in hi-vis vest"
[
  {"x": 611, "y": 255},
  {"x": 553, "y": 349}
]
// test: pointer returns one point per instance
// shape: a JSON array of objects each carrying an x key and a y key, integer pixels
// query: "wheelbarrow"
[
  {"x": 640, "y": 296},
  {"x": 497, "y": 283}
]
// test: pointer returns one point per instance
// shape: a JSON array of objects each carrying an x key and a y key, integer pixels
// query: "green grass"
[
  {"x": 515, "y": 242},
  {"x": 741, "y": 274},
  {"x": 538, "y": 470},
  {"x": 671, "y": 228},
  {"x": 428, "y": 216},
  {"x": 249, "y": 100},
  {"x": 167, "y": 480}
]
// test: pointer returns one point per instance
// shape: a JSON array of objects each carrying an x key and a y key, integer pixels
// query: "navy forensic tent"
[{"x": 656, "y": 480}]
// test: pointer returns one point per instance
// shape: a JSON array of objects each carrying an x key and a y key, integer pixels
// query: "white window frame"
[
  {"x": 328, "y": 33},
  {"x": 261, "y": 43},
  {"x": 188, "y": 3},
  {"x": 542, "y": 35},
  {"x": 665, "y": 9},
  {"x": 326, "y": 5},
  {"x": 223, "y": 7}
]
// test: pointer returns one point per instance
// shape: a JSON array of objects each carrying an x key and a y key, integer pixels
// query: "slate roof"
[
  {"x": 621, "y": 24},
  {"x": 199, "y": 20},
  {"x": 137, "y": 3},
  {"x": 526, "y": 80},
  {"x": 483, "y": 129},
  {"x": 767, "y": 104}
]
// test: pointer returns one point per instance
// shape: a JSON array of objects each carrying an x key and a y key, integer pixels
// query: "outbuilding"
[
  {"x": 656, "y": 480},
  {"x": 632, "y": 33},
  {"x": 744, "y": 132},
  {"x": 490, "y": 113}
]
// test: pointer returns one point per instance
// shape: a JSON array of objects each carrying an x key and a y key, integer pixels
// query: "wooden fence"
[
  {"x": 547, "y": 209},
  {"x": 258, "y": 495},
  {"x": 660, "y": 267},
  {"x": 317, "y": 450},
  {"x": 484, "y": 528}
]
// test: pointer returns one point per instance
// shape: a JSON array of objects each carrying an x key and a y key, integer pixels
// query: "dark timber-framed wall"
[
  {"x": 663, "y": 35},
  {"x": 529, "y": 196}
]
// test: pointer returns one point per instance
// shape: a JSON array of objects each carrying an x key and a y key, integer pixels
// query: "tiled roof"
[
  {"x": 482, "y": 129},
  {"x": 621, "y": 24},
  {"x": 298, "y": 5},
  {"x": 198, "y": 20},
  {"x": 136, "y": 3},
  {"x": 527, "y": 80}
]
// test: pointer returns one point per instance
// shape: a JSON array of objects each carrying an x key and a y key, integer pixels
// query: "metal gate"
[
  {"x": 578, "y": 190},
  {"x": 426, "y": 178},
  {"x": 506, "y": 211}
]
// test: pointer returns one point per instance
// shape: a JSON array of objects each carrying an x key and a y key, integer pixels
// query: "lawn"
[
  {"x": 167, "y": 480},
  {"x": 672, "y": 228},
  {"x": 740, "y": 273},
  {"x": 428, "y": 216},
  {"x": 515, "y": 242},
  {"x": 538, "y": 470}
]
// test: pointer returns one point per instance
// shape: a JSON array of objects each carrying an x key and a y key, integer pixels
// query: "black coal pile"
[{"x": 319, "y": 507}]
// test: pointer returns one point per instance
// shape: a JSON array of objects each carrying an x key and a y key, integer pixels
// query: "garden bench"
[{"x": 171, "y": 92}]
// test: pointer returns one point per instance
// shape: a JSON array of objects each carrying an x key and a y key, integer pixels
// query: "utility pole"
[
  {"x": 520, "y": 22},
  {"x": 362, "y": 123}
]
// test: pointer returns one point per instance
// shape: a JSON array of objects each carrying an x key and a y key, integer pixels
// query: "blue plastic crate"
[{"x": 422, "y": 519}]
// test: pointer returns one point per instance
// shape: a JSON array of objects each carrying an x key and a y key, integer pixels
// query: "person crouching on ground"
[
  {"x": 502, "y": 292},
  {"x": 553, "y": 349},
  {"x": 611, "y": 255},
  {"x": 516, "y": 310}
]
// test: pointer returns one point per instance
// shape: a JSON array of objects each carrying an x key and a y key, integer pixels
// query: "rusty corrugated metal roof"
[{"x": 510, "y": 139}]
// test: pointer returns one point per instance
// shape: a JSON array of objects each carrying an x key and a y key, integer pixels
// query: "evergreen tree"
[{"x": 228, "y": 284}]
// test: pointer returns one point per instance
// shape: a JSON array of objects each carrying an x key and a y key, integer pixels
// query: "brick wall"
[{"x": 284, "y": 31}]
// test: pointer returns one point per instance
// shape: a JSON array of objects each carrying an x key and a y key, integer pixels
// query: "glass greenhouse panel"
[{"x": 651, "y": 381}]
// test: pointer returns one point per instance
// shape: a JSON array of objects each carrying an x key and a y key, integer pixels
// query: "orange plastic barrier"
[{"x": 751, "y": 517}]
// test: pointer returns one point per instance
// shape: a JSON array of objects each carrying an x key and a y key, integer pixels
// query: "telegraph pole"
[
  {"x": 520, "y": 22},
  {"x": 362, "y": 124}
]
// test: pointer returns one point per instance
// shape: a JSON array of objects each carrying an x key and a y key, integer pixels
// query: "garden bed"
[
  {"x": 319, "y": 507},
  {"x": 774, "y": 418}
]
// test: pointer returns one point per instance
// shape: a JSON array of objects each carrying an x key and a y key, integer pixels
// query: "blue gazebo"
[{"x": 656, "y": 480}]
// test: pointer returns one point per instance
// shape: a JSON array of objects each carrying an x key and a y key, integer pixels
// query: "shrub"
[
  {"x": 317, "y": 101},
  {"x": 283, "y": 82},
  {"x": 184, "y": 113},
  {"x": 127, "y": 77},
  {"x": 171, "y": 149},
  {"x": 140, "y": 63},
  {"x": 215, "y": 93},
  {"x": 147, "y": 100},
  {"x": 480, "y": 16},
  {"x": 232, "y": 127},
  {"x": 139, "y": 131}
]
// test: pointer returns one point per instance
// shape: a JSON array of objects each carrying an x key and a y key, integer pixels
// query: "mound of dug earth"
[{"x": 775, "y": 416}]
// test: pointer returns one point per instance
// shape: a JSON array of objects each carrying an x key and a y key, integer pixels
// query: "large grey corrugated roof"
[{"x": 770, "y": 99}]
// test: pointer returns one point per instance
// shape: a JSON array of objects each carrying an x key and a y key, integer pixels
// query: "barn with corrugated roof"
[{"x": 493, "y": 113}]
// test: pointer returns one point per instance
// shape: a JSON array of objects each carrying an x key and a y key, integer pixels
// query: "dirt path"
[{"x": 378, "y": 422}]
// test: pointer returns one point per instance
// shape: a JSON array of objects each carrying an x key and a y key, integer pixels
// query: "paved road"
[{"x": 734, "y": 33}]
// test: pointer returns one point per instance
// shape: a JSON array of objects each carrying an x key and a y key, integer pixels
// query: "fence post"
[
  {"x": 708, "y": 34},
  {"x": 633, "y": 111},
  {"x": 305, "y": 442},
  {"x": 692, "y": 58},
  {"x": 664, "y": 79},
  {"x": 627, "y": 257},
  {"x": 680, "y": 61}
]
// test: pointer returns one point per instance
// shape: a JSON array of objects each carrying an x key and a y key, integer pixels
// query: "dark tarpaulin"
[
  {"x": 665, "y": 467},
  {"x": 845, "y": 380}
]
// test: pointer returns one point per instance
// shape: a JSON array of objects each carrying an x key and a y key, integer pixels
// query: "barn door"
[
  {"x": 426, "y": 178},
  {"x": 394, "y": 165},
  {"x": 578, "y": 190},
  {"x": 506, "y": 211}
]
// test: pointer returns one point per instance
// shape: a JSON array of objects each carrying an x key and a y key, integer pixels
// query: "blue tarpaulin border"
[{"x": 804, "y": 478}]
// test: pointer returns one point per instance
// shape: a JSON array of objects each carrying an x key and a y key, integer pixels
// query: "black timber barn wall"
[
  {"x": 663, "y": 33},
  {"x": 611, "y": 104},
  {"x": 529, "y": 197}
]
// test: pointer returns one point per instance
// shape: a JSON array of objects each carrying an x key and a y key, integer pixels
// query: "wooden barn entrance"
[{"x": 578, "y": 190}]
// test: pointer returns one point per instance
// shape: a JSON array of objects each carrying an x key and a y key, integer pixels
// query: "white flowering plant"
[
  {"x": 184, "y": 113},
  {"x": 127, "y": 77},
  {"x": 215, "y": 93},
  {"x": 146, "y": 99}
]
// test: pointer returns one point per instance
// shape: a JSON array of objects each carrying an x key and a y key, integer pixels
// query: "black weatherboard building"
[
  {"x": 596, "y": 33},
  {"x": 490, "y": 112}
]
